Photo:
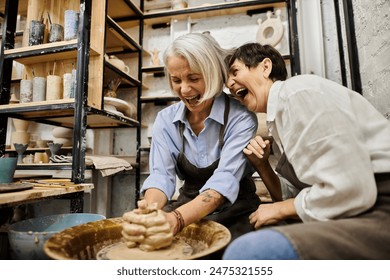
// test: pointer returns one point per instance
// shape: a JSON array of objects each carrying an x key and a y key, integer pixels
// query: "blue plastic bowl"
[{"x": 27, "y": 237}]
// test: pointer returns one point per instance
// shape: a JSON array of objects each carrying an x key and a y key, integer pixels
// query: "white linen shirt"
[
  {"x": 335, "y": 140},
  {"x": 203, "y": 149}
]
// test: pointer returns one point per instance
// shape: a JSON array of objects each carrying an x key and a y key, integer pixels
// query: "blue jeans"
[{"x": 265, "y": 244}]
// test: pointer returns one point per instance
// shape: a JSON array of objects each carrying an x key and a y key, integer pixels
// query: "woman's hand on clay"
[{"x": 147, "y": 227}]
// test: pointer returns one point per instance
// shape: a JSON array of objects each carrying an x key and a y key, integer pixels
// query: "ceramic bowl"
[
  {"x": 62, "y": 132},
  {"x": 28, "y": 237},
  {"x": 42, "y": 143}
]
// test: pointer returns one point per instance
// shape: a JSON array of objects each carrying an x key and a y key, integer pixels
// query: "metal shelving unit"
[{"x": 75, "y": 113}]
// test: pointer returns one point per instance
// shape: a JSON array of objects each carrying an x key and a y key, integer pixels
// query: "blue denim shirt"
[{"x": 203, "y": 149}]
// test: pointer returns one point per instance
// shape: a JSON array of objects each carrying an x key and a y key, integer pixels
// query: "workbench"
[{"x": 35, "y": 194}]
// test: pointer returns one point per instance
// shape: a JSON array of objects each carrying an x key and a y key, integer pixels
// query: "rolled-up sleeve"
[
  {"x": 314, "y": 139},
  {"x": 163, "y": 154}
]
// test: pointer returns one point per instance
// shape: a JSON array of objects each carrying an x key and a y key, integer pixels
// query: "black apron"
[
  {"x": 365, "y": 236},
  {"x": 236, "y": 216}
]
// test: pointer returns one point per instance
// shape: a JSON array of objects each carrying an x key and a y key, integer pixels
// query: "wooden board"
[{"x": 34, "y": 194}]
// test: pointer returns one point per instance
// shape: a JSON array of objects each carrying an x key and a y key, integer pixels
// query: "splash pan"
[{"x": 103, "y": 240}]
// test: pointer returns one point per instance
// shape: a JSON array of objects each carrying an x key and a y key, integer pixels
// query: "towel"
[{"x": 107, "y": 165}]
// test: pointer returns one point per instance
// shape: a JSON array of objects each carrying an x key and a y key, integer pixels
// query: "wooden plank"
[
  {"x": 46, "y": 52},
  {"x": 39, "y": 193},
  {"x": 37, "y": 103},
  {"x": 118, "y": 9}
]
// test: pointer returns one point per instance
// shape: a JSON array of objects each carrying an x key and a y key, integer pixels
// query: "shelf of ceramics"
[
  {"x": 112, "y": 72},
  {"x": 61, "y": 113},
  {"x": 211, "y": 10},
  {"x": 38, "y": 149},
  {"x": 127, "y": 109},
  {"x": 48, "y": 166},
  {"x": 45, "y": 52}
]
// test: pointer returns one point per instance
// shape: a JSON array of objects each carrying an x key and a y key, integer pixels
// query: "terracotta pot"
[
  {"x": 20, "y": 125},
  {"x": 20, "y": 137},
  {"x": 62, "y": 132}
]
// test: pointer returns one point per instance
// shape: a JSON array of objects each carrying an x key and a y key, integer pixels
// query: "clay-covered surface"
[{"x": 103, "y": 240}]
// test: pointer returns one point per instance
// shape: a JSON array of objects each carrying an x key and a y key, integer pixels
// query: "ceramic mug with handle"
[{"x": 120, "y": 64}]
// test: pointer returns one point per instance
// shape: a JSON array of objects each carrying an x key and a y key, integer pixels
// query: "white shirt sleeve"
[{"x": 321, "y": 141}]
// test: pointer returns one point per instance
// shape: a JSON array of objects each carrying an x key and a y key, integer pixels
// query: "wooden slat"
[{"x": 35, "y": 194}]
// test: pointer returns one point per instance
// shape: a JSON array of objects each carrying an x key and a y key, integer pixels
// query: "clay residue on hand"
[{"x": 147, "y": 228}]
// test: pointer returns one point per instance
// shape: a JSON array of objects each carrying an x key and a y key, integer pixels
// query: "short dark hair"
[{"x": 251, "y": 54}]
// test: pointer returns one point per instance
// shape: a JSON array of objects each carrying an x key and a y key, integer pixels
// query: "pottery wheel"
[{"x": 179, "y": 249}]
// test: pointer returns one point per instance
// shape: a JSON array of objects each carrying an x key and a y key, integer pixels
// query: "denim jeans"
[{"x": 265, "y": 244}]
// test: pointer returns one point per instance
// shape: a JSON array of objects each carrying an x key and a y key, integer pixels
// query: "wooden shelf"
[
  {"x": 118, "y": 9},
  {"x": 22, "y": 7},
  {"x": 112, "y": 72},
  {"x": 153, "y": 69},
  {"x": 61, "y": 113},
  {"x": 212, "y": 10},
  {"x": 48, "y": 166},
  {"x": 17, "y": 34},
  {"x": 40, "y": 193},
  {"x": 37, "y": 149},
  {"x": 117, "y": 39},
  {"x": 45, "y": 52}
]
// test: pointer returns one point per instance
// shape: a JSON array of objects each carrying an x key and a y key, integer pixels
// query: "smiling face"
[
  {"x": 251, "y": 85},
  {"x": 188, "y": 85}
]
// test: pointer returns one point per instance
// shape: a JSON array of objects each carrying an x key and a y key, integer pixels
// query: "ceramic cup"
[
  {"x": 22, "y": 137},
  {"x": 37, "y": 33},
  {"x": 26, "y": 91},
  {"x": 41, "y": 157},
  {"x": 54, "y": 87},
  {"x": 39, "y": 89},
  {"x": 120, "y": 64},
  {"x": 68, "y": 85},
  {"x": 56, "y": 33},
  {"x": 71, "y": 24},
  {"x": 74, "y": 83}
]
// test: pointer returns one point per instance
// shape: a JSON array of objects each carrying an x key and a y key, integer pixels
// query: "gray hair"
[{"x": 204, "y": 56}]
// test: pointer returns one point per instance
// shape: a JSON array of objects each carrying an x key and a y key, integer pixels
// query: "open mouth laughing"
[
  {"x": 241, "y": 92},
  {"x": 193, "y": 100}
]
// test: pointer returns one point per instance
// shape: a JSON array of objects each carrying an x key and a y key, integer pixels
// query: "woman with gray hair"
[{"x": 200, "y": 140}]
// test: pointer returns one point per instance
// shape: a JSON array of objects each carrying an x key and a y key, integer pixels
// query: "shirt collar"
[
  {"x": 273, "y": 100},
  {"x": 217, "y": 111}
]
